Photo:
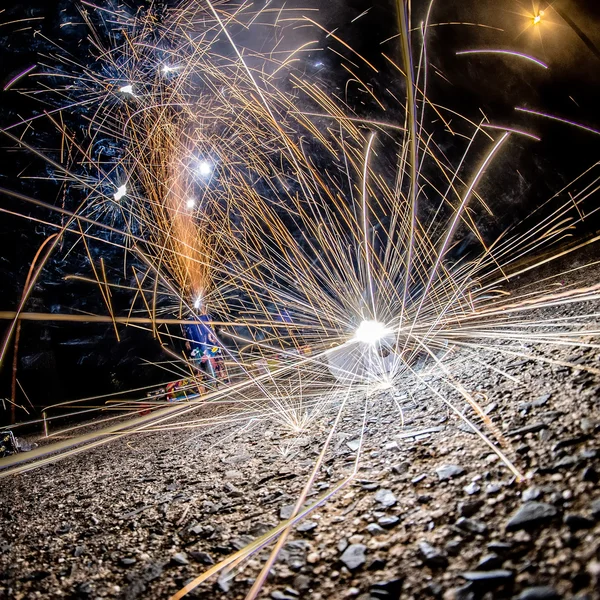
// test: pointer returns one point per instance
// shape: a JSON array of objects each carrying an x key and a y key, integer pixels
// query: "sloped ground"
[{"x": 430, "y": 515}]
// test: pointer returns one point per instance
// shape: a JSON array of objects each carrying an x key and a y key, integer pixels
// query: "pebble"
[
  {"x": 386, "y": 498},
  {"x": 489, "y": 562},
  {"x": 306, "y": 526},
  {"x": 471, "y": 489},
  {"x": 127, "y": 562},
  {"x": 492, "y": 488},
  {"x": 453, "y": 547},
  {"x": 471, "y": 526},
  {"x": 531, "y": 493},
  {"x": 590, "y": 474},
  {"x": 499, "y": 547},
  {"x": 202, "y": 557},
  {"x": 565, "y": 463},
  {"x": 375, "y": 529},
  {"x": 533, "y": 428},
  {"x": 277, "y": 595},
  {"x": 354, "y": 445},
  {"x": 531, "y": 514},
  {"x": 540, "y": 592},
  {"x": 489, "y": 579},
  {"x": 389, "y": 521},
  {"x": 447, "y": 472},
  {"x": 180, "y": 559},
  {"x": 285, "y": 512},
  {"x": 418, "y": 478},
  {"x": 388, "y": 590},
  {"x": 595, "y": 509},
  {"x": 431, "y": 556},
  {"x": 401, "y": 468},
  {"x": 576, "y": 522},
  {"x": 469, "y": 507},
  {"x": 354, "y": 556}
]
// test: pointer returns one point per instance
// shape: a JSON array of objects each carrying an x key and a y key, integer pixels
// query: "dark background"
[{"x": 66, "y": 361}]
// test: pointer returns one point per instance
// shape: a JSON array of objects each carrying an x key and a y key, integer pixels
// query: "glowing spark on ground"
[
  {"x": 371, "y": 332},
  {"x": 120, "y": 193},
  {"x": 190, "y": 203}
]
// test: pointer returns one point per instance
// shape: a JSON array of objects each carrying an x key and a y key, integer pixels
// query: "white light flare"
[
  {"x": 204, "y": 168},
  {"x": 120, "y": 193},
  {"x": 198, "y": 302},
  {"x": 127, "y": 89},
  {"x": 166, "y": 69},
  {"x": 371, "y": 332},
  {"x": 190, "y": 203}
]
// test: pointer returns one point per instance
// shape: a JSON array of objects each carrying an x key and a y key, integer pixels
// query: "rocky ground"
[{"x": 432, "y": 512}]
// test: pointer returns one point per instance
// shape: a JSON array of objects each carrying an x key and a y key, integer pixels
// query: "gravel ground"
[{"x": 431, "y": 513}]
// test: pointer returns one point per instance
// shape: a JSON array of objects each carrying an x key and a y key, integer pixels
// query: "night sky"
[{"x": 59, "y": 362}]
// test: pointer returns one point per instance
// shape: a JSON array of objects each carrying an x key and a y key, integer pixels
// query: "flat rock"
[
  {"x": 489, "y": 579},
  {"x": 306, "y": 526},
  {"x": 375, "y": 529},
  {"x": 469, "y": 507},
  {"x": 354, "y": 556},
  {"x": 531, "y": 514},
  {"x": 539, "y": 592},
  {"x": 532, "y": 428},
  {"x": 489, "y": 562},
  {"x": 179, "y": 559},
  {"x": 386, "y": 498},
  {"x": 471, "y": 526},
  {"x": 388, "y": 521},
  {"x": 354, "y": 445},
  {"x": 446, "y": 472}
]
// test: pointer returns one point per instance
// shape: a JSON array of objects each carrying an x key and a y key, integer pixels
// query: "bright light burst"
[{"x": 371, "y": 332}]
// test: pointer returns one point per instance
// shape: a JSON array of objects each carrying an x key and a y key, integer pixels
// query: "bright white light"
[
  {"x": 204, "y": 168},
  {"x": 120, "y": 193},
  {"x": 190, "y": 203},
  {"x": 167, "y": 69},
  {"x": 370, "y": 332},
  {"x": 198, "y": 302},
  {"x": 127, "y": 89}
]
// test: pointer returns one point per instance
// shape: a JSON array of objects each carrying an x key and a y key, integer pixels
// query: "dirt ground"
[{"x": 432, "y": 512}]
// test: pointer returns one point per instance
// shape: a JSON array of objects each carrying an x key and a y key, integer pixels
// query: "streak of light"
[{"x": 506, "y": 52}]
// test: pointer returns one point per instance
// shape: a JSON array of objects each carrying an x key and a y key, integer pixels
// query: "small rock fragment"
[
  {"x": 531, "y": 514},
  {"x": 471, "y": 489},
  {"x": 385, "y": 497},
  {"x": 447, "y": 472},
  {"x": 431, "y": 556},
  {"x": 354, "y": 556},
  {"x": 179, "y": 559},
  {"x": 388, "y": 521},
  {"x": 540, "y": 592},
  {"x": 576, "y": 522},
  {"x": 471, "y": 526}
]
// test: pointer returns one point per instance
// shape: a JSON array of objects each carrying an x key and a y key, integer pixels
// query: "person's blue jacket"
[{"x": 200, "y": 335}]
